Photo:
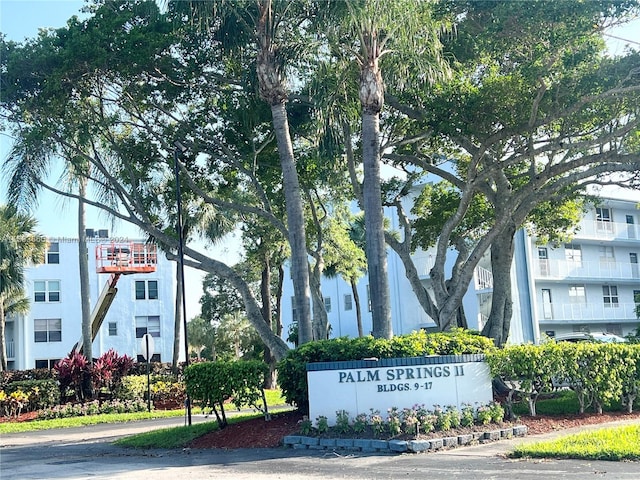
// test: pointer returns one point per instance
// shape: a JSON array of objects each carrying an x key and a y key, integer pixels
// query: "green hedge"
[
  {"x": 292, "y": 370},
  {"x": 599, "y": 373},
  {"x": 211, "y": 384}
]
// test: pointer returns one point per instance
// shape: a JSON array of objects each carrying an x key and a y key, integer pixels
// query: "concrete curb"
[{"x": 301, "y": 442}]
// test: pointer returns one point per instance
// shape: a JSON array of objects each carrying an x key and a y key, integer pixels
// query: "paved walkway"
[{"x": 87, "y": 452}]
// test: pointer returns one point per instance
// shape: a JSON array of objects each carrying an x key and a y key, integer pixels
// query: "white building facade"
[
  {"x": 144, "y": 303},
  {"x": 590, "y": 284}
]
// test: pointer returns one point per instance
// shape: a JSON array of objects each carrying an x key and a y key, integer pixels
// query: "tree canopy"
[{"x": 514, "y": 104}]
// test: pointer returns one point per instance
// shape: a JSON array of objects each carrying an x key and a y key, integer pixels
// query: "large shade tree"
[{"x": 532, "y": 114}]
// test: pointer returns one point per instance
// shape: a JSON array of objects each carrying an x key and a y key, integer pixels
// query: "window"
[
  {"x": 46, "y": 291},
  {"x": 636, "y": 298},
  {"x": 146, "y": 289},
  {"x": 603, "y": 219},
  {"x": 154, "y": 358},
  {"x": 631, "y": 228},
  {"x": 610, "y": 295},
  {"x": 577, "y": 294},
  {"x": 547, "y": 309},
  {"x": 348, "y": 302},
  {"x": 573, "y": 253},
  {"x": 150, "y": 325},
  {"x": 113, "y": 329},
  {"x": 606, "y": 255},
  {"x": 327, "y": 304},
  {"x": 633, "y": 260},
  {"x": 50, "y": 363},
  {"x": 53, "y": 253},
  {"x": 47, "y": 330},
  {"x": 543, "y": 261}
]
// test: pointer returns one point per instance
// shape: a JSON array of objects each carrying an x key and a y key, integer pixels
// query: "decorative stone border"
[{"x": 299, "y": 442}]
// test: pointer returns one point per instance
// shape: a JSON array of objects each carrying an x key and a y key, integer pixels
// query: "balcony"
[
  {"x": 600, "y": 230},
  {"x": 587, "y": 312},
  {"x": 606, "y": 270},
  {"x": 11, "y": 351}
]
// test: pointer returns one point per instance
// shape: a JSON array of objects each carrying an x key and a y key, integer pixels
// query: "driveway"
[{"x": 87, "y": 453}]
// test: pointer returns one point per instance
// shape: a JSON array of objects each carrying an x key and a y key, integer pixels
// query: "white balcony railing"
[
  {"x": 588, "y": 312},
  {"x": 609, "y": 230},
  {"x": 483, "y": 278},
  {"x": 559, "y": 269},
  {"x": 11, "y": 352}
]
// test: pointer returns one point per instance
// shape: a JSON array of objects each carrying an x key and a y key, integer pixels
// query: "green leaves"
[{"x": 213, "y": 383}]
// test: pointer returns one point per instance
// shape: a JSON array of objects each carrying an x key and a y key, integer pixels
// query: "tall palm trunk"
[
  {"x": 295, "y": 224},
  {"x": 273, "y": 91},
  {"x": 83, "y": 263},
  {"x": 372, "y": 98},
  {"x": 356, "y": 301}
]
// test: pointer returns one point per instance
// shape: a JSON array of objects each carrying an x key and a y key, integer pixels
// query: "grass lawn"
[
  {"x": 34, "y": 425},
  {"x": 618, "y": 443},
  {"x": 274, "y": 400}
]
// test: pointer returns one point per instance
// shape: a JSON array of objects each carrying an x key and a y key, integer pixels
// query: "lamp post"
[{"x": 179, "y": 149}]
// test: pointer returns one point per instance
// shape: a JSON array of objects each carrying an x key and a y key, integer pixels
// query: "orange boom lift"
[{"x": 117, "y": 259}]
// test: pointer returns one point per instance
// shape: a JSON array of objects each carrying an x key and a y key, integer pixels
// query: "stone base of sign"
[{"x": 300, "y": 442}]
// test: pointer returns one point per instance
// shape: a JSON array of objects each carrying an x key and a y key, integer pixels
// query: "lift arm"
[{"x": 100, "y": 310}]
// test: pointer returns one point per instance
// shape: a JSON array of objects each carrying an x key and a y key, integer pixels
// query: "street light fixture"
[{"x": 181, "y": 149}]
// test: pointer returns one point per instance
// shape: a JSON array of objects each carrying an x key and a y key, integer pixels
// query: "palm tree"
[
  {"x": 405, "y": 33},
  {"x": 264, "y": 22},
  {"x": 20, "y": 246}
]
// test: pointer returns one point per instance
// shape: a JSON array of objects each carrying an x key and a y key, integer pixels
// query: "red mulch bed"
[{"x": 258, "y": 433}]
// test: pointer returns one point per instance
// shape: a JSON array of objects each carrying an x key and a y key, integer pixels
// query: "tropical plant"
[{"x": 20, "y": 246}]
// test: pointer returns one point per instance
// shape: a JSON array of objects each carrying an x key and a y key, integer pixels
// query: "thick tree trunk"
[
  {"x": 83, "y": 262},
  {"x": 356, "y": 301},
  {"x": 177, "y": 324},
  {"x": 3, "y": 338},
  {"x": 499, "y": 323}
]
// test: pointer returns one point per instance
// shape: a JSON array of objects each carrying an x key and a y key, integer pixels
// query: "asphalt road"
[{"x": 87, "y": 453}]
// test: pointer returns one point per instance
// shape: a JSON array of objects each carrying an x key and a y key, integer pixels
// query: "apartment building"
[
  {"x": 591, "y": 283},
  {"x": 144, "y": 302}
]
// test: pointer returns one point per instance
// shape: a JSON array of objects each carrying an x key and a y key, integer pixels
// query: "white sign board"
[
  {"x": 357, "y": 387},
  {"x": 146, "y": 343}
]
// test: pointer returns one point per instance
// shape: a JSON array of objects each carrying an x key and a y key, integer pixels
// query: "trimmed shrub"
[
  {"x": 211, "y": 384},
  {"x": 40, "y": 393},
  {"x": 10, "y": 376}
]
